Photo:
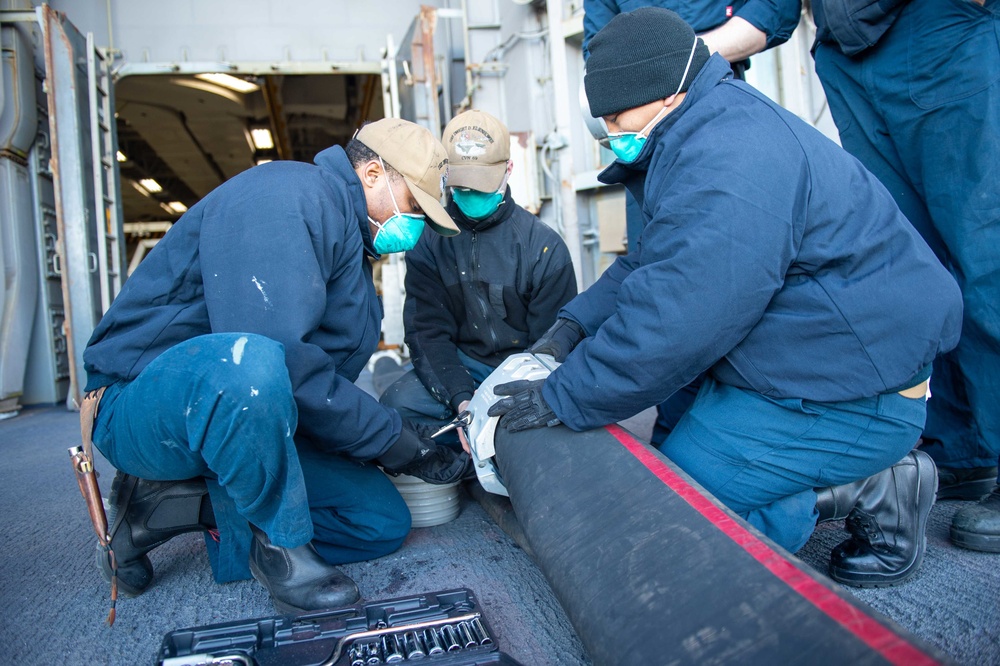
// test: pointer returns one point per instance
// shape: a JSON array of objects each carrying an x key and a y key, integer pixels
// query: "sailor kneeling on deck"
[
  {"x": 225, "y": 373},
  {"x": 773, "y": 261}
]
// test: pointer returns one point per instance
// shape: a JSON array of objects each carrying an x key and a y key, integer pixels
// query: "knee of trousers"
[
  {"x": 392, "y": 396},
  {"x": 392, "y": 525},
  {"x": 401, "y": 392},
  {"x": 392, "y": 535},
  {"x": 408, "y": 396},
  {"x": 379, "y": 530},
  {"x": 250, "y": 368}
]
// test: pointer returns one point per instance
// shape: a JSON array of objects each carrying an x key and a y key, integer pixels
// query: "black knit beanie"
[{"x": 639, "y": 57}]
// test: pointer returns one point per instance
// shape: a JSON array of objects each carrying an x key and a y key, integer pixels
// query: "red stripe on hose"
[{"x": 892, "y": 647}]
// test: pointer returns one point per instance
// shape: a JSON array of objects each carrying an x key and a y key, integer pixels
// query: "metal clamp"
[{"x": 483, "y": 427}]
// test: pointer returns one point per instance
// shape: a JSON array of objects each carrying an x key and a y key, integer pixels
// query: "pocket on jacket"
[
  {"x": 496, "y": 301},
  {"x": 953, "y": 51}
]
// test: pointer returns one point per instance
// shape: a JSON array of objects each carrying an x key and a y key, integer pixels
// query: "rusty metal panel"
[{"x": 73, "y": 175}]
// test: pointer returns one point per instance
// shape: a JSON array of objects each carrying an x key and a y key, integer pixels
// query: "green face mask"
[
  {"x": 401, "y": 231},
  {"x": 628, "y": 145},
  {"x": 474, "y": 204},
  {"x": 398, "y": 234}
]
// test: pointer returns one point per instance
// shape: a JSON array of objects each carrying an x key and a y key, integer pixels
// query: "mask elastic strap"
[
  {"x": 503, "y": 183},
  {"x": 388, "y": 184},
  {"x": 687, "y": 68},
  {"x": 642, "y": 132}
]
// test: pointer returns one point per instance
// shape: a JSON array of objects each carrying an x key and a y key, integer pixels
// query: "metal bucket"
[{"x": 429, "y": 504}]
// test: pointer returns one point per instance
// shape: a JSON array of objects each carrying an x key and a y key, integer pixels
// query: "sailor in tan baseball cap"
[
  {"x": 397, "y": 212},
  {"x": 475, "y": 299}
]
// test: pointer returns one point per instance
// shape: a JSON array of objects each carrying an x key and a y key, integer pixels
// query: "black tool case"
[{"x": 446, "y": 628}]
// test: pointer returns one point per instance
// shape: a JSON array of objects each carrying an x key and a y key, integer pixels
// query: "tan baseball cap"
[
  {"x": 420, "y": 158},
  {"x": 478, "y": 150}
]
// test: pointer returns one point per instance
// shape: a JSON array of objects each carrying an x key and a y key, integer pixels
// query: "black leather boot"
[
  {"x": 145, "y": 514},
  {"x": 888, "y": 525},
  {"x": 971, "y": 483},
  {"x": 977, "y": 527},
  {"x": 837, "y": 502},
  {"x": 298, "y": 579}
]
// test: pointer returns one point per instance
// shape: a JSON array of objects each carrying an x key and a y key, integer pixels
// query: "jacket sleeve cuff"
[
  {"x": 459, "y": 398},
  {"x": 777, "y": 22},
  {"x": 402, "y": 452}
]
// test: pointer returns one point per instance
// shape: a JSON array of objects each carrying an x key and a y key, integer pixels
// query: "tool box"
[{"x": 446, "y": 628}]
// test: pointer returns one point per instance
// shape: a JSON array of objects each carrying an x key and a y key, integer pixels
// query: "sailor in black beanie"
[
  {"x": 640, "y": 57},
  {"x": 641, "y": 60},
  {"x": 774, "y": 264}
]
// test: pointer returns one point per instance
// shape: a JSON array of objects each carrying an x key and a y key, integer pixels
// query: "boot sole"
[
  {"x": 973, "y": 541},
  {"x": 880, "y": 580},
  {"x": 925, "y": 492}
]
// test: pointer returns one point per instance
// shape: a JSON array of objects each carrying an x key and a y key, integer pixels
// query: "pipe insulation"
[
  {"x": 19, "y": 280},
  {"x": 651, "y": 569}
]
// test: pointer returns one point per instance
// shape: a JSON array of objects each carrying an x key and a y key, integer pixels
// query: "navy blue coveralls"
[
  {"x": 774, "y": 260},
  {"x": 921, "y": 110},
  {"x": 231, "y": 353}
]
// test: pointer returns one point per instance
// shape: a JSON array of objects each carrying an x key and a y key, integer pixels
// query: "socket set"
[
  {"x": 437, "y": 628},
  {"x": 416, "y": 642}
]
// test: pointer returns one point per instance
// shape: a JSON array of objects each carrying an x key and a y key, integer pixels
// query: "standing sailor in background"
[
  {"x": 735, "y": 30},
  {"x": 474, "y": 299},
  {"x": 225, "y": 373},
  {"x": 914, "y": 88},
  {"x": 774, "y": 261}
]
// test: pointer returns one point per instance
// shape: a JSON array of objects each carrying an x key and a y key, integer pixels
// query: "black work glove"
[
  {"x": 425, "y": 459},
  {"x": 559, "y": 340},
  {"x": 422, "y": 430},
  {"x": 524, "y": 407}
]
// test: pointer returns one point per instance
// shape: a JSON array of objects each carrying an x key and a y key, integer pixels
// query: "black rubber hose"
[{"x": 651, "y": 570}]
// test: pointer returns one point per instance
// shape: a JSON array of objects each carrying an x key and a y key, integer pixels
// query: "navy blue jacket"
[
  {"x": 775, "y": 18},
  {"x": 490, "y": 292},
  {"x": 769, "y": 256},
  {"x": 279, "y": 250}
]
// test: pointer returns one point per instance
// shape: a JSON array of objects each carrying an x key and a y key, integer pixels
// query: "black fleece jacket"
[{"x": 490, "y": 292}]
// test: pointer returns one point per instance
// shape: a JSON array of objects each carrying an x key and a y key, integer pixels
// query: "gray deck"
[{"x": 56, "y": 602}]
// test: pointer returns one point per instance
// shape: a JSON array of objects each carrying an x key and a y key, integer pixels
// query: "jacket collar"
[{"x": 334, "y": 160}]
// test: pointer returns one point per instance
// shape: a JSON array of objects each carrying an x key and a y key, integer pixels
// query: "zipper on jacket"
[{"x": 483, "y": 305}]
